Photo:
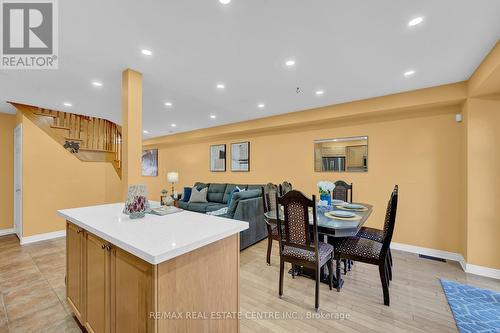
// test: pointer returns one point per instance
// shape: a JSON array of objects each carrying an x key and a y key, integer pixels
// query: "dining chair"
[
  {"x": 373, "y": 252},
  {"x": 298, "y": 239},
  {"x": 269, "y": 203},
  {"x": 378, "y": 236},
  {"x": 342, "y": 191},
  {"x": 284, "y": 188}
]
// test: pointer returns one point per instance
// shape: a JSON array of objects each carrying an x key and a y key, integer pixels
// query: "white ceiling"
[{"x": 351, "y": 49}]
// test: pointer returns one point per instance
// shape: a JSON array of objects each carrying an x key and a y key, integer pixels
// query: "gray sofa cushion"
[
  {"x": 200, "y": 207},
  {"x": 242, "y": 196},
  {"x": 212, "y": 207},
  {"x": 216, "y": 192},
  {"x": 198, "y": 196},
  {"x": 230, "y": 188},
  {"x": 183, "y": 205}
]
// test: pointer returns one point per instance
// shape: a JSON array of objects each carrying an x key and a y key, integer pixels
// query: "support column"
[{"x": 131, "y": 129}]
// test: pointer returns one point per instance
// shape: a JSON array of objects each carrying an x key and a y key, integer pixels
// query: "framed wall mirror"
[{"x": 341, "y": 154}]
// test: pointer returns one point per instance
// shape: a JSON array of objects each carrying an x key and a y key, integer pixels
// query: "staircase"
[{"x": 89, "y": 139}]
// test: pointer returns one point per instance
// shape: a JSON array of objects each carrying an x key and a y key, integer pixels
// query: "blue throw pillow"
[
  {"x": 230, "y": 195},
  {"x": 187, "y": 194}
]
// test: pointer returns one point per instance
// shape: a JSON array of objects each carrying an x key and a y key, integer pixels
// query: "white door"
[{"x": 18, "y": 180}]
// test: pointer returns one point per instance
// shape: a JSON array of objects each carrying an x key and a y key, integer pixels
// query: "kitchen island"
[{"x": 173, "y": 273}]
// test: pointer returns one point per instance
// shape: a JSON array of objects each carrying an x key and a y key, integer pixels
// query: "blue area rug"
[{"x": 475, "y": 309}]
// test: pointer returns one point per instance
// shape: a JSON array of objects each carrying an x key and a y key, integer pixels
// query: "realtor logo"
[{"x": 29, "y": 34}]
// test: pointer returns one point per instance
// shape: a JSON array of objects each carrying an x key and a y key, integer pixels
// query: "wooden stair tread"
[{"x": 60, "y": 127}]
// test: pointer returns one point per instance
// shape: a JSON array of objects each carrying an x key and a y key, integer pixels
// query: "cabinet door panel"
[
  {"x": 97, "y": 285},
  {"x": 74, "y": 269},
  {"x": 131, "y": 293}
]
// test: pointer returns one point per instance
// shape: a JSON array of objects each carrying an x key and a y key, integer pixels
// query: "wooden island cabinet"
[{"x": 151, "y": 287}]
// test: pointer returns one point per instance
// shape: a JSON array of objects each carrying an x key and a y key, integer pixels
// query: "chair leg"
[
  {"x": 389, "y": 268},
  {"x": 269, "y": 248},
  {"x": 387, "y": 274},
  {"x": 330, "y": 271},
  {"x": 282, "y": 268},
  {"x": 350, "y": 263},
  {"x": 390, "y": 257},
  {"x": 337, "y": 273},
  {"x": 345, "y": 265},
  {"x": 385, "y": 286},
  {"x": 316, "y": 295}
]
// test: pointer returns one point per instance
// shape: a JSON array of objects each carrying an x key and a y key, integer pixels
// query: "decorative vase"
[
  {"x": 326, "y": 197},
  {"x": 137, "y": 203}
]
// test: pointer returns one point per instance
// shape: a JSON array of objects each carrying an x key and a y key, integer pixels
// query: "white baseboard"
[
  {"x": 468, "y": 268},
  {"x": 4, "y": 232},
  {"x": 42, "y": 237},
  {"x": 483, "y": 271}
]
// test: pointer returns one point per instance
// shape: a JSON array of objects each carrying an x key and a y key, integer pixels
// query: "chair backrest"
[
  {"x": 390, "y": 220},
  {"x": 342, "y": 191},
  {"x": 269, "y": 196},
  {"x": 285, "y": 187},
  {"x": 295, "y": 230}
]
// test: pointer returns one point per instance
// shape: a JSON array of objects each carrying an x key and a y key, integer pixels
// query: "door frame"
[{"x": 18, "y": 136}]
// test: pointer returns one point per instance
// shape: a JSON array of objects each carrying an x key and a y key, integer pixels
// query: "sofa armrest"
[{"x": 251, "y": 211}]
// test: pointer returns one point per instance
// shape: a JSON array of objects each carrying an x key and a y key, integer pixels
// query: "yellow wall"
[
  {"x": 421, "y": 154},
  {"x": 7, "y": 125},
  {"x": 53, "y": 179},
  {"x": 483, "y": 195}
]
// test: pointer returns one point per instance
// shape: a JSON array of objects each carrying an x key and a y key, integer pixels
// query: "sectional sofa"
[{"x": 245, "y": 206}]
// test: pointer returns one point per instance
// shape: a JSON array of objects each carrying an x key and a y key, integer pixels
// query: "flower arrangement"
[
  {"x": 325, "y": 192},
  {"x": 325, "y": 187}
]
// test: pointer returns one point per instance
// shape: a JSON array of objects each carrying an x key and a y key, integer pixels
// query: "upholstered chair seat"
[
  {"x": 324, "y": 253},
  {"x": 361, "y": 247},
  {"x": 373, "y": 234}
]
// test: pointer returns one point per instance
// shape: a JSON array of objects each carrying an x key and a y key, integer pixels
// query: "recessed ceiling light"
[
  {"x": 145, "y": 132},
  {"x": 261, "y": 105},
  {"x": 320, "y": 92},
  {"x": 147, "y": 52},
  {"x": 212, "y": 116},
  {"x": 68, "y": 104},
  {"x": 173, "y": 125},
  {"x": 97, "y": 84},
  {"x": 225, "y": 2},
  {"x": 409, "y": 73},
  {"x": 290, "y": 62},
  {"x": 415, "y": 21},
  {"x": 220, "y": 86},
  {"x": 168, "y": 104}
]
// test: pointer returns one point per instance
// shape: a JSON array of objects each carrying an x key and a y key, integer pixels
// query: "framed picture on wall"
[
  {"x": 218, "y": 158},
  {"x": 240, "y": 156},
  {"x": 150, "y": 162}
]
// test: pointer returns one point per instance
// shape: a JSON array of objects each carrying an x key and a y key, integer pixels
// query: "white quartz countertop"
[{"x": 154, "y": 239}]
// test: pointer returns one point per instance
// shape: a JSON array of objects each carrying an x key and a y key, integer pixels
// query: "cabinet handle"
[
  {"x": 103, "y": 246},
  {"x": 79, "y": 231},
  {"x": 108, "y": 247}
]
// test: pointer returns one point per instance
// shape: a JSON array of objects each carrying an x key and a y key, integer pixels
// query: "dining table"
[{"x": 333, "y": 230}]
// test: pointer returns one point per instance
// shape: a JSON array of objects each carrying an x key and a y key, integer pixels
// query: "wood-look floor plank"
[{"x": 32, "y": 277}]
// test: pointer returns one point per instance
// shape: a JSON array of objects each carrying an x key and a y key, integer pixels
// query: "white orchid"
[{"x": 325, "y": 186}]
